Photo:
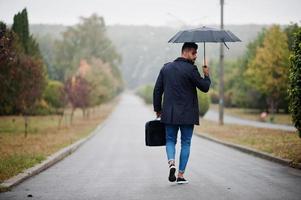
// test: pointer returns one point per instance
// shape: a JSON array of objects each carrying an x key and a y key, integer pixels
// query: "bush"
[
  {"x": 204, "y": 102},
  {"x": 42, "y": 108},
  {"x": 146, "y": 93},
  {"x": 295, "y": 83},
  {"x": 53, "y": 94},
  {"x": 214, "y": 96}
]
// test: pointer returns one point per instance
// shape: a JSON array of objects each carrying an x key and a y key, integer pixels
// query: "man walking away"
[{"x": 178, "y": 81}]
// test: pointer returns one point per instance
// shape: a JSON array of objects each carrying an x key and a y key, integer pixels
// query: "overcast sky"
[{"x": 155, "y": 12}]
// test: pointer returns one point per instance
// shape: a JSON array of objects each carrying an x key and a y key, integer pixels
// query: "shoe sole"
[
  {"x": 172, "y": 176},
  {"x": 182, "y": 182}
]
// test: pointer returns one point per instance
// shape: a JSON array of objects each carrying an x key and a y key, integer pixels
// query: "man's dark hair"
[{"x": 189, "y": 45}]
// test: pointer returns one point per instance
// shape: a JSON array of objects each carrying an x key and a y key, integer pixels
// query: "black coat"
[{"x": 178, "y": 81}]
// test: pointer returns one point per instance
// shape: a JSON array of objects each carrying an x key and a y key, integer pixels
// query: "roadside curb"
[
  {"x": 50, "y": 161},
  {"x": 251, "y": 151}
]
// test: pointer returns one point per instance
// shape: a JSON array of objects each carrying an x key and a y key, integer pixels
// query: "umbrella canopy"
[{"x": 204, "y": 34}]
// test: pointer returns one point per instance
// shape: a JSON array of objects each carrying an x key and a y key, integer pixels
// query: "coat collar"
[{"x": 184, "y": 60}]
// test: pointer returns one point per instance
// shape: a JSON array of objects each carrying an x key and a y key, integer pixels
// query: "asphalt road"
[
  {"x": 115, "y": 164},
  {"x": 228, "y": 119}
]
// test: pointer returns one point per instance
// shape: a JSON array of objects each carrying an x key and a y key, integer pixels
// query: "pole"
[{"x": 221, "y": 71}]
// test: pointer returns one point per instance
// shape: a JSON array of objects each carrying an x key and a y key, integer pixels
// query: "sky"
[{"x": 155, "y": 12}]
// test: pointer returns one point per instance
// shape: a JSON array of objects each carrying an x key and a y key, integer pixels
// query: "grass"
[
  {"x": 280, "y": 143},
  {"x": 253, "y": 114},
  {"x": 18, "y": 153}
]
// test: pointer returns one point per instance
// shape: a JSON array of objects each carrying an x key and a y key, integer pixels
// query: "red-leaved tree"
[{"x": 78, "y": 91}]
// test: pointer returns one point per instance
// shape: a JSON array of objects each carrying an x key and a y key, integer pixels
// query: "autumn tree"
[
  {"x": 238, "y": 92},
  {"x": 103, "y": 82},
  {"x": 10, "y": 70},
  {"x": 244, "y": 94},
  {"x": 86, "y": 40},
  {"x": 31, "y": 82},
  {"x": 78, "y": 91},
  {"x": 86, "y": 52},
  {"x": 268, "y": 71},
  {"x": 22, "y": 77},
  {"x": 22, "y": 70}
]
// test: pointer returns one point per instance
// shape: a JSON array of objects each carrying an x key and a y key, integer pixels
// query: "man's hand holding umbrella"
[{"x": 205, "y": 70}]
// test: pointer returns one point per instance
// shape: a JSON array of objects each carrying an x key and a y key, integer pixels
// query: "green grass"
[
  {"x": 17, "y": 163},
  {"x": 15, "y": 124},
  {"x": 284, "y": 144},
  {"x": 253, "y": 114},
  {"x": 44, "y": 138},
  {"x": 3, "y": 189}
]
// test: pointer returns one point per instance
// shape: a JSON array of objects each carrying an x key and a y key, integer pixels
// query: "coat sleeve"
[
  {"x": 158, "y": 92},
  {"x": 201, "y": 83}
]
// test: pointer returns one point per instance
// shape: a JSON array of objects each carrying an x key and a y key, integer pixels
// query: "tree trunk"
[
  {"x": 88, "y": 113},
  {"x": 66, "y": 119},
  {"x": 61, "y": 118},
  {"x": 25, "y": 125},
  {"x": 272, "y": 110},
  {"x": 71, "y": 117},
  {"x": 84, "y": 112},
  {"x": 276, "y": 105}
]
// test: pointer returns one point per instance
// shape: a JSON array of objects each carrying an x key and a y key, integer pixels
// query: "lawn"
[
  {"x": 253, "y": 114},
  {"x": 45, "y": 137},
  {"x": 280, "y": 143}
]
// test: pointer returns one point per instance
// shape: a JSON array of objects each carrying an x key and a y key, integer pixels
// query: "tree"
[
  {"x": 87, "y": 54},
  {"x": 245, "y": 95},
  {"x": 10, "y": 50},
  {"x": 104, "y": 83},
  {"x": 290, "y": 31},
  {"x": 86, "y": 40},
  {"x": 238, "y": 92},
  {"x": 31, "y": 83},
  {"x": 268, "y": 71},
  {"x": 55, "y": 96},
  {"x": 22, "y": 76},
  {"x": 295, "y": 82},
  {"x": 78, "y": 91},
  {"x": 21, "y": 28}
]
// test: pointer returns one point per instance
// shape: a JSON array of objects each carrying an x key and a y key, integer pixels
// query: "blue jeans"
[{"x": 171, "y": 141}]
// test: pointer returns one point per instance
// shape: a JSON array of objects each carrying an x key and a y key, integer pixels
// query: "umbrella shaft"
[{"x": 204, "y": 54}]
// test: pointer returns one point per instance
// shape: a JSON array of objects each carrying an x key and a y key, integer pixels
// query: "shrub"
[
  {"x": 214, "y": 97},
  {"x": 146, "y": 93},
  {"x": 204, "y": 102},
  {"x": 53, "y": 94},
  {"x": 295, "y": 83},
  {"x": 42, "y": 108}
]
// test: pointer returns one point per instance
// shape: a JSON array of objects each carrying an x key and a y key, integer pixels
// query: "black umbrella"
[{"x": 204, "y": 34}]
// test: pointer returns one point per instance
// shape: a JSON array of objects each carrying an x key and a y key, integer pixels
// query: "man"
[{"x": 178, "y": 81}]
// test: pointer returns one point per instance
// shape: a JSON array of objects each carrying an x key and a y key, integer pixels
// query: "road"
[
  {"x": 213, "y": 116},
  {"x": 115, "y": 164}
]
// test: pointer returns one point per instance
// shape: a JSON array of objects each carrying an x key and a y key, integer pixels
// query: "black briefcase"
[{"x": 155, "y": 133}]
